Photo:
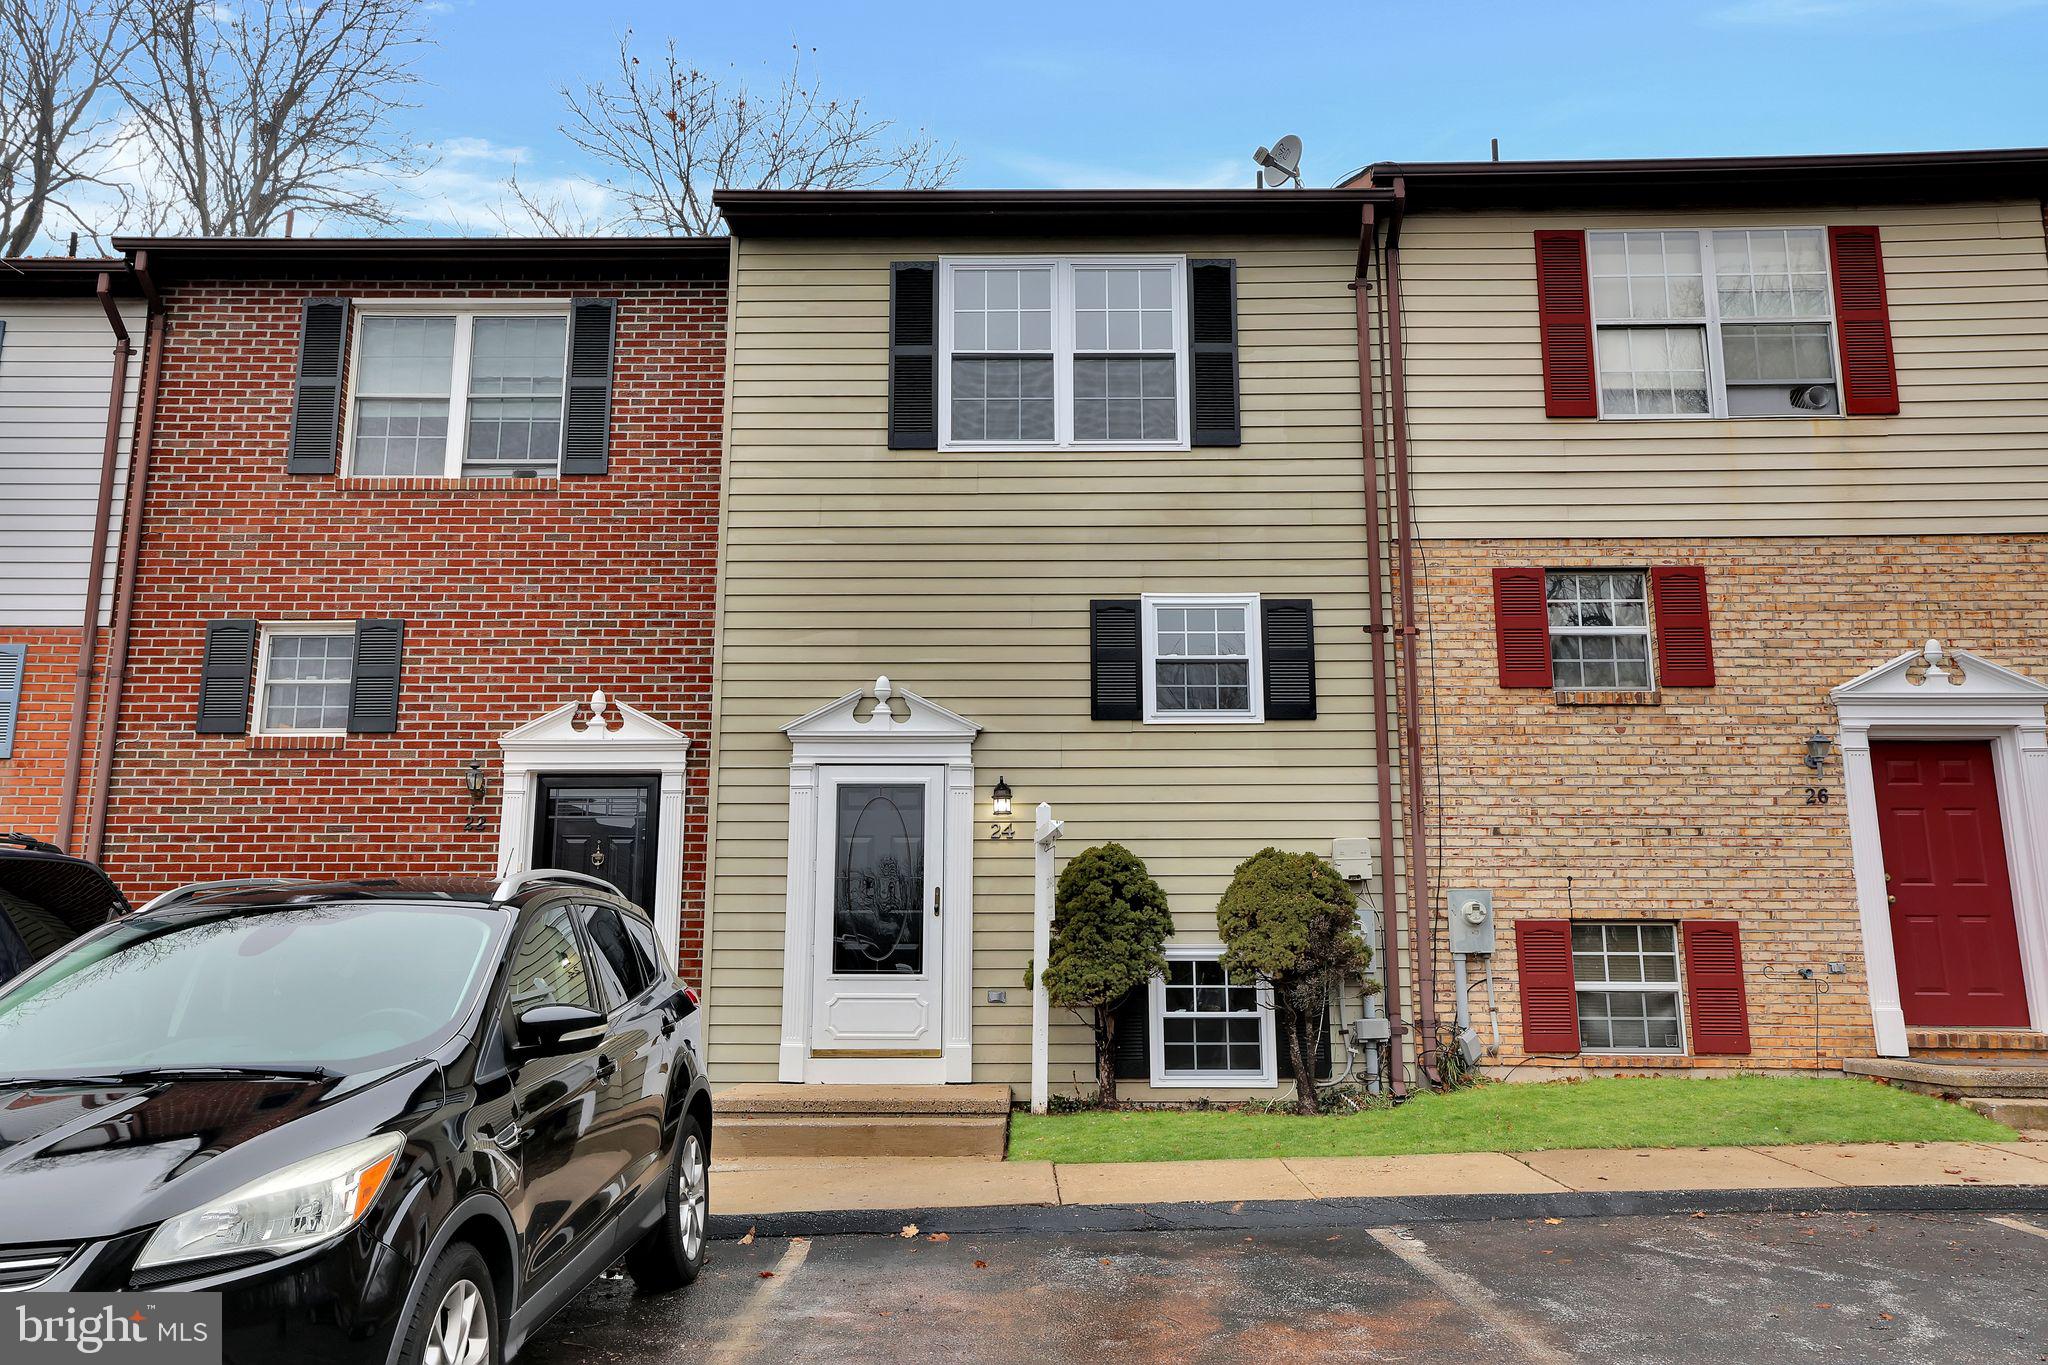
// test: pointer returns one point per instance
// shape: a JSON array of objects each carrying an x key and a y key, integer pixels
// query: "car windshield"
[{"x": 345, "y": 986}]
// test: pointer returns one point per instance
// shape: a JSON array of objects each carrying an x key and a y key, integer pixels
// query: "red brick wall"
[
  {"x": 32, "y": 781},
  {"x": 1697, "y": 807},
  {"x": 517, "y": 597}
]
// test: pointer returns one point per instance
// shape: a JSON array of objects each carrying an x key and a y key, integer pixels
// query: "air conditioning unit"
[{"x": 1781, "y": 400}]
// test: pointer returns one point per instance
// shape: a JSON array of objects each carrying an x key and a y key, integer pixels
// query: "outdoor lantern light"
[
  {"x": 473, "y": 778},
  {"x": 1817, "y": 746},
  {"x": 1002, "y": 797}
]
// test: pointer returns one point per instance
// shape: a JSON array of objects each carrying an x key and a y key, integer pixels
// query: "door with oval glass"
[{"x": 880, "y": 869}]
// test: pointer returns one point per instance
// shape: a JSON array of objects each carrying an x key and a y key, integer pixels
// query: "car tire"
[
  {"x": 671, "y": 1254},
  {"x": 457, "y": 1304}
]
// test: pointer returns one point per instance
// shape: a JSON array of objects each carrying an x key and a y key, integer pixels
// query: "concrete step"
[
  {"x": 837, "y": 1122},
  {"x": 2001, "y": 1079},
  {"x": 2028, "y": 1116}
]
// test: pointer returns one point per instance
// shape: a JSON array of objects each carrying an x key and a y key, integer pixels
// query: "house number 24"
[{"x": 1002, "y": 829}]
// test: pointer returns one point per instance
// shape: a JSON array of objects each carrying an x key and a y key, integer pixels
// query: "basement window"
[
  {"x": 1209, "y": 1027},
  {"x": 1627, "y": 981}
]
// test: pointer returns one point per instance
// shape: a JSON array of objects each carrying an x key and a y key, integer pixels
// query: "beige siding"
[
  {"x": 967, "y": 578},
  {"x": 1968, "y": 451}
]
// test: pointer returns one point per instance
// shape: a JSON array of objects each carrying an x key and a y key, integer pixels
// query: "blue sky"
[{"x": 1049, "y": 93}]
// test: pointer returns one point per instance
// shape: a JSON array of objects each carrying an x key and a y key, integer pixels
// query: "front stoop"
[
  {"x": 2013, "y": 1091},
  {"x": 835, "y": 1122}
]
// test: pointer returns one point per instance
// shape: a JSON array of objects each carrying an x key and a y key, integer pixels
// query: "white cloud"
[{"x": 465, "y": 190}]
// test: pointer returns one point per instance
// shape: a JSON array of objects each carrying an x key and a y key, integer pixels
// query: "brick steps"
[
  {"x": 836, "y": 1122},
  {"x": 1977, "y": 1045}
]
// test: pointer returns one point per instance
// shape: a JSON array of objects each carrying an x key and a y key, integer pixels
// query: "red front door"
[{"x": 1953, "y": 933}]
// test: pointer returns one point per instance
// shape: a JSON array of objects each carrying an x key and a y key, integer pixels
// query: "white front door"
[{"x": 881, "y": 912}]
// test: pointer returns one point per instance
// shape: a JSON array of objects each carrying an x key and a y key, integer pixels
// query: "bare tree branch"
[
  {"x": 250, "y": 109},
  {"x": 59, "y": 110},
  {"x": 667, "y": 134}
]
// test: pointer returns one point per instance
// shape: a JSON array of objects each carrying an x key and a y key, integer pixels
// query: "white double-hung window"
[
  {"x": 448, "y": 393},
  {"x": 1626, "y": 978},
  {"x": 1068, "y": 352},
  {"x": 1202, "y": 658},
  {"x": 1209, "y": 1027},
  {"x": 303, "y": 678},
  {"x": 1724, "y": 322}
]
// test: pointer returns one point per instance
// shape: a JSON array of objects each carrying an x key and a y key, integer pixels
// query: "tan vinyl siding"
[
  {"x": 1968, "y": 452},
  {"x": 967, "y": 578}
]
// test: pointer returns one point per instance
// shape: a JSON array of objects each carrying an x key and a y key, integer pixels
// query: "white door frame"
[
  {"x": 1931, "y": 694},
  {"x": 602, "y": 736},
  {"x": 900, "y": 729}
]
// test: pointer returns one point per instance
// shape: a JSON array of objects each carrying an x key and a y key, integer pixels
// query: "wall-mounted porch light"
[
  {"x": 1817, "y": 748},
  {"x": 474, "y": 780},
  {"x": 1002, "y": 796}
]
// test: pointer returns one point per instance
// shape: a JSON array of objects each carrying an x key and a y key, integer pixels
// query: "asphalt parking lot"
[{"x": 1717, "y": 1288}]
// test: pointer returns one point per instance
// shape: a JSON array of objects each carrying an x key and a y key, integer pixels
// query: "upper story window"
[
  {"x": 1599, "y": 630},
  {"x": 303, "y": 678},
  {"x": 1713, "y": 323},
  {"x": 1086, "y": 352},
  {"x": 1201, "y": 658},
  {"x": 458, "y": 394}
]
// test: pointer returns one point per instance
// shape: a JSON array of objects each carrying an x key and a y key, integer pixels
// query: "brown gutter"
[
  {"x": 1376, "y": 631},
  {"x": 88, "y": 640},
  {"x": 131, "y": 550},
  {"x": 1422, "y": 922}
]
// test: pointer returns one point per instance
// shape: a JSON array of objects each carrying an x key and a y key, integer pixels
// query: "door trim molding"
[
  {"x": 879, "y": 726},
  {"x": 1933, "y": 694},
  {"x": 597, "y": 737}
]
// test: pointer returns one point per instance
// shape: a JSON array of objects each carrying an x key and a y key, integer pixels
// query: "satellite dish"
[{"x": 1282, "y": 162}]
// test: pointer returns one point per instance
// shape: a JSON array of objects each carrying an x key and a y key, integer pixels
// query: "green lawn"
[{"x": 1617, "y": 1112}]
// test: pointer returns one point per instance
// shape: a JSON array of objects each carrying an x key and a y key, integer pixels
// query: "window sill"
[
  {"x": 300, "y": 742},
  {"x": 1221, "y": 1080},
  {"x": 1603, "y": 697},
  {"x": 363, "y": 483}
]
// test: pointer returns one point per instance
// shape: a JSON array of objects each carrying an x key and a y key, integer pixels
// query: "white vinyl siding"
[{"x": 56, "y": 362}]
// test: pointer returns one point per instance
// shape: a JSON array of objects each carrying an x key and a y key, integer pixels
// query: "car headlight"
[{"x": 305, "y": 1203}]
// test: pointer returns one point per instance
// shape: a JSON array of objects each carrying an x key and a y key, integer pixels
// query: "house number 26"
[{"x": 1816, "y": 796}]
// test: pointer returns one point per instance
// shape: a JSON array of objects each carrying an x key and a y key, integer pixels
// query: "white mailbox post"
[{"x": 1047, "y": 835}]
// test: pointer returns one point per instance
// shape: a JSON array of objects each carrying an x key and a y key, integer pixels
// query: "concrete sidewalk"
[{"x": 746, "y": 1188}]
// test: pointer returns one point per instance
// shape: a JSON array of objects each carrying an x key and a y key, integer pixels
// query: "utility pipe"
[
  {"x": 88, "y": 638},
  {"x": 1376, "y": 632},
  {"x": 131, "y": 548},
  {"x": 1421, "y": 921}
]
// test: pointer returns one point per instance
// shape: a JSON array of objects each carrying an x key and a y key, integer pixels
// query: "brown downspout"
[
  {"x": 131, "y": 549},
  {"x": 1376, "y": 631},
  {"x": 88, "y": 639},
  {"x": 1422, "y": 919}
]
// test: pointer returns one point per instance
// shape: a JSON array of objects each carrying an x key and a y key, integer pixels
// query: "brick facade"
[
  {"x": 32, "y": 781},
  {"x": 1697, "y": 806},
  {"x": 517, "y": 596}
]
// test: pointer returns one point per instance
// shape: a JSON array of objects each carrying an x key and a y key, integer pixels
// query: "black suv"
[{"x": 386, "y": 1120}]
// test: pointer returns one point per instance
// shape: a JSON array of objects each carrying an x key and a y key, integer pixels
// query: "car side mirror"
[{"x": 548, "y": 1030}]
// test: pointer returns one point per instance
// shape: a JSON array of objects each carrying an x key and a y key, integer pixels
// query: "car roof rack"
[
  {"x": 516, "y": 882},
  {"x": 197, "y": 889}
]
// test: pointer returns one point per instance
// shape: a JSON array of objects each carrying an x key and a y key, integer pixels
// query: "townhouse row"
[{"x": 1637, "y": 569}]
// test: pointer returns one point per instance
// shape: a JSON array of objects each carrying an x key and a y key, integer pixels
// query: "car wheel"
[
  {"x": 456, "y": 1319},
  {"x": 671, "y": 1255}
]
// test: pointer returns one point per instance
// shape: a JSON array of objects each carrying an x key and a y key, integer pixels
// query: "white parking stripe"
[
  {"x": 1473, "y": 1296},
  {"x": 2020, "y": 1225},
  {"x": 739, "y": 1345}
]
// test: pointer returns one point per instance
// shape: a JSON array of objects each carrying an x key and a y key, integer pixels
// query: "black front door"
[{"x": 604, "y": 826}]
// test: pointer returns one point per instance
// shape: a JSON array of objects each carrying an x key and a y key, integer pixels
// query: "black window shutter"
[
  {"x": 373, "y": 685},
  {"x": 913, "y": 355},
  {"x": 1114, "y": 658},
  {"x": 1212, "y": 332},
  {"x": 1289, "y": 627},
  {"x": 316, "y": 400},
  {"x": 587, "y": 418},
  {"x": 1132, "y": 1042},
  {"x": 226, "y": 673},
  {"x": 1286, "y": 1054}
]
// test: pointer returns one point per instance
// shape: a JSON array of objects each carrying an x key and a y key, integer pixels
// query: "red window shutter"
[
  {"x": 1713, "y": 986},
  {"x": 1521, "y": 628},
  {"x": 1685, "y": 638},
  {"x": 1550, "y": 1003},
  {"x": 1870, "y": 376},
  {"x": 1564, "y": 308}
]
